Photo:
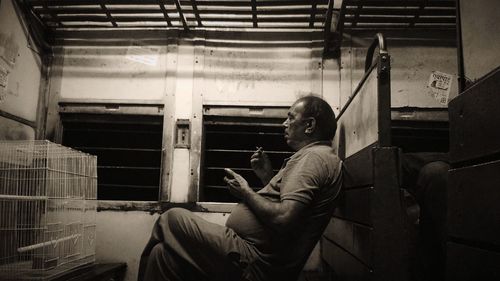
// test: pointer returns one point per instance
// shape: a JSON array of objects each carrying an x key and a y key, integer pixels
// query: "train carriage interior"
[{"x": 169, "y": 93}]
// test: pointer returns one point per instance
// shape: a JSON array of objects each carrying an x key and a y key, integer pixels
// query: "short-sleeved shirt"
[{"x": 312, "y": 176}]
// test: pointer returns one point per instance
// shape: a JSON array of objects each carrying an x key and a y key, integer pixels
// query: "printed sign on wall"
[
  {"x": 4, "y": 75},
  {"x": 8, "y": 48},
  {"x": 440, "y": 86}
]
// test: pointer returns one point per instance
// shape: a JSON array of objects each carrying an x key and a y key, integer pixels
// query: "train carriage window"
[
  {"x": 229, "y": 141},
  {"x": 418, "y": 136},
  {"x": 128, "y": 149}
]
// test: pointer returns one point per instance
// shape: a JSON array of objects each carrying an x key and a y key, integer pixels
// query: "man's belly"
[{"x": 247, "y": 226}]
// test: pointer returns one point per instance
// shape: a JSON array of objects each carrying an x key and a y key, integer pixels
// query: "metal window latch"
[{"x": 182, "y": 133}]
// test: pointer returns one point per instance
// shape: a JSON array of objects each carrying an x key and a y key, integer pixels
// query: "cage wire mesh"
[{"x": 48, "y": 208}]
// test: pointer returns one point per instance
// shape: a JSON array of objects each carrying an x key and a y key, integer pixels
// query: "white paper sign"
[
  {"x": 2, "y": 94},
  {"x": 4, "y": 75},
  {"x": 440, "y": 86},
  {"x": 143, "y": 54},
  {"x": 8, "y": 48}
]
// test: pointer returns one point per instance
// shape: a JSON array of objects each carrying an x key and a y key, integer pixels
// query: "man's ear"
[{"x": 310, "y": 125}]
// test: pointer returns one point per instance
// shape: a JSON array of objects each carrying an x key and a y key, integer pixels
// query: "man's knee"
[
  {"x": 434, "y": 173},
  {"x": 157, "y": 252},
  {"x": 176, "y": 220},
  {"x": 172, "y": 216},
  {"x": 432, "y": 185}
]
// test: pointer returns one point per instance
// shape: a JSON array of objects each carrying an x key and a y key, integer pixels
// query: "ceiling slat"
[
  {"x": 206, "y": 25},
  {"x": 399, "y": 3},
  {"x": 401, "y": 11},
  {"x": 159, "y": 19},
  {"x": 181, "y": 2},
  {"x": 137, "y": 10},
  {"x": 406, "y": 20}
]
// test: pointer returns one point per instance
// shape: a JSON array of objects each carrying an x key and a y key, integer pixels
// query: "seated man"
[{"x": 270, "y": 235}]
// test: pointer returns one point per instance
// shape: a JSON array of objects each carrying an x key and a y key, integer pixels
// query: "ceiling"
[
  {"x": 188, "y": 15},
  {"x": 61, "y": 19}
]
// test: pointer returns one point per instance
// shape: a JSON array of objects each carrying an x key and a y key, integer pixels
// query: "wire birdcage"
[{"x": 48, "y": 210}]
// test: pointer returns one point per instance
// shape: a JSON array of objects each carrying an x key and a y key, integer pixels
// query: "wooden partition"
[
  {"x": 367, "y": 238},
  {"x": 473, "y": 249}
]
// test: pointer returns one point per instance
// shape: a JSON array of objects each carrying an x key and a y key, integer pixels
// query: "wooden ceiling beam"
[
  {"x": 254, "y": 13},
  {"x": 181, "y": 14},
  {"x": 417, "y": 15},
  {"x": 327, "y": 31},
  {"x": 196, "y": 12},
  {"x": 54, "y": 16},
  {"x": 356, "y": 14},
  {"x": 328, "y": 18},
  {"x": 108, "y": 14},
  {"x": 165, "y": 12},
  {"x": 313, "y": 13}
]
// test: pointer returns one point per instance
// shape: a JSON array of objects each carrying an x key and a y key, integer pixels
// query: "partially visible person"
[
  {"x": 425, "y": 176},
  {"x": 269, "y": 236}
]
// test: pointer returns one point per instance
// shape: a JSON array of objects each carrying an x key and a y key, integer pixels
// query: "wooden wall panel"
[
  {"x": 355, "y": 204},
  {"x": 465, "y": 263},
  {"x": 346, "y": 266},
  {"x": 358, "y": 126},
  {"x": 390, "y": 236},
  {"x": 369, "y": 226},
  {"x": 473, "y": 203},
  {"x": 358, "y": 169},
  {"x": 473, "y": 251},
  {"x": 354, "y": 238},
  {"x": 474, "y": 119}
]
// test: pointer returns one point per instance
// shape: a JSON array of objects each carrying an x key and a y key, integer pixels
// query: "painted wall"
[
  {"x": 260, "y": 76},
  {"x": 480, "y": 37},
  {"x": 412, "y": 62},
  {"x": 20, "y": 71},
  {"x": 133, "y": 72}
]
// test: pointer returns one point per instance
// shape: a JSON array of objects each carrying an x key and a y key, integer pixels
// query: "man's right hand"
[{"x": 261, "y": 165}]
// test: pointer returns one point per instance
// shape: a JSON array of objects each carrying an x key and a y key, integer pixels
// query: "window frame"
[
  {"x": 220, "y": 112},
  {"x": 124, "y": 108}
]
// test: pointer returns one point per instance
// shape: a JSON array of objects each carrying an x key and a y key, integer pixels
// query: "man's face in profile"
[{"x": 295, "y": 126}]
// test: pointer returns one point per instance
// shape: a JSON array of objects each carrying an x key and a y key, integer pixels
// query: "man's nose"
[{"x": 285, "y": 123}]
